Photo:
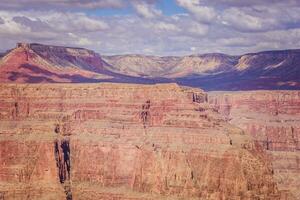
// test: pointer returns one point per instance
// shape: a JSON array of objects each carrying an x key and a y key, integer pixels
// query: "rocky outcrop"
[
  {"x": 119, "y": 141},
  {"x": 273, "y": 120},
  {"x": 34, "y": 63}
]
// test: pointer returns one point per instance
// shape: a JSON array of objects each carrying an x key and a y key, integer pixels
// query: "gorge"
[{"x": 76, "y": 125}]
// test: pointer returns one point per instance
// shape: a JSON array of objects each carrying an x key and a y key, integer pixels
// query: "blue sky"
[
  {"x": 168, "y": 7},
  {"x": 155, "y": 27}
]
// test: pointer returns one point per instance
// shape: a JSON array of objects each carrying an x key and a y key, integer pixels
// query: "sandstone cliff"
[
  {"x": 127, "y": 142},
  {"x": 273, "y": 120}
]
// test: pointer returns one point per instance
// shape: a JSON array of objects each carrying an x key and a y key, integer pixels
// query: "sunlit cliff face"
[{"x": 90, "y": 141}]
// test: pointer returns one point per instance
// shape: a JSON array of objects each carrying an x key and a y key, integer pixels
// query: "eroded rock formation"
[
  {"x": 38, "y": 63},
  {"x": 273, "y": 120},
  {"x": 127, "y": 142}
]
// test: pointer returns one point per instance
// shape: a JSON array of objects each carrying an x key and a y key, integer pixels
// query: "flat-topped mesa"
[
  {"x": 54, "y": 53},
  {"x": 36, "y": 63},
  {"x": 76, "y": 51}
]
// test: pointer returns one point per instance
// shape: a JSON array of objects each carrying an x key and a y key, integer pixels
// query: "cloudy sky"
[{"x": 158, "y": 27}]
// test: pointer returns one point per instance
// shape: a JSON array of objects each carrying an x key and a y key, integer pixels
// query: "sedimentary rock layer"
[
  {"x": 38, "y": 63},
  {"x": 127, "y": 142},
  {"x": 273, "y": 120}
]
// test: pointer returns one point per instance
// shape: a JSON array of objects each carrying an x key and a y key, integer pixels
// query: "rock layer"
[
  {"x": 273, "y": 120},
  {"x": 118, "y": 141},
  {"x": 34, "y": 63},
  {"x": 37, "y": 63}
]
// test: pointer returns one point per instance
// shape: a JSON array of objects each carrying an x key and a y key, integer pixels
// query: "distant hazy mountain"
[
  {"x": 35, "y": 63},
  {"x": 263, "y": 70},
  {"x": 171, "y": 67},
  {"x": 32, "y": 63}
]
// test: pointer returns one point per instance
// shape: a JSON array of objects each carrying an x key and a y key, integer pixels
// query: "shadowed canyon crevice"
[{"x": 63, "y": 163}]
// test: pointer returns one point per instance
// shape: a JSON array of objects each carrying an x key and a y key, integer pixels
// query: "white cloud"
[
  {"x": 60, "y": 4},
  {"x": 63, "y": 21},
  {"x": 203, "y": 27},
  {"x": 235, "y": 41},
  {"x": 10, "y": 27},
  {"x": 197, "y": 29},
  {"x": 242, "y": 21},
  {"x": 163, "y": 26},
  {"x": 81, "y": 41},
  {"x": 256, "y": 19},
  {"x": 58, "y": 27},
  {"x": 200, "y": 12},
  {"x": 145, "y": 9}
]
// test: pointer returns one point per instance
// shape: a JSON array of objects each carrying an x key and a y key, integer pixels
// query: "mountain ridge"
[{"x": 277, "y": 69}]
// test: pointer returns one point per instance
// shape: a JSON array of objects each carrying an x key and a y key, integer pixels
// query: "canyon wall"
[
  {"x": 38, "y": 63},
  {"x": 126, "y": 142},
  {"x": 273, "y": 120}
]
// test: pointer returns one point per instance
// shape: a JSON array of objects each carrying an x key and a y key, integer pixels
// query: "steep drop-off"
[
  {"x": 126, "y": 142},
  {"x": 273, "y": 120}
]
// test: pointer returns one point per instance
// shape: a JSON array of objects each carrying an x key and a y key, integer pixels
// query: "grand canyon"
[{"x": 76, "y": 125}]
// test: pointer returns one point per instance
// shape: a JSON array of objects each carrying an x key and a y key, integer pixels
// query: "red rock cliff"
[
  {"x": 273, "y": 120},
  {"x": 118, "y": 141}
]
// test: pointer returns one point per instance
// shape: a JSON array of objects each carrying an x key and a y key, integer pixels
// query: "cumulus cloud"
[
  {"x": 203, "y": 26},
  {"x": 242, "y": 21},
  {"x": 49, "y": 26},
  {"x": 73, "y": 22},
  {"x": 61, "y": 4},
  {"x": 197, "y": 29},
  {"x": 54, "y": 21},
  {"x": 145, "y": 9},
  {"x": 249, "y": 3},
  {"x": 198, "y": 10},
  {"x": 235, "y": 42},
  {"x": 163, "y": 26}
]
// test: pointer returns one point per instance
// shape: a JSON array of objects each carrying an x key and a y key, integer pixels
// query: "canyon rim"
[{"x": 149, "y": 100}]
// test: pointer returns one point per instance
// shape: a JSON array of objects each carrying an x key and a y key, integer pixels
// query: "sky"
[{"x": 153, "y": 27}]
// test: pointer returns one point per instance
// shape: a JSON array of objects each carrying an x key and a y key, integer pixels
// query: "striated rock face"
[
  {"x": 171, "y": 66},
  {"x": 37, "y": 63},
  {"x": 34, "y": 63},
  {"x": 262, "y": 70},
  {"x": 141, "y": 65},
  {"x": 127, "y": 142},
  {"x": 273, "y": 120}
]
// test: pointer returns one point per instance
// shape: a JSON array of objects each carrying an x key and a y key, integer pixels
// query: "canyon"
[
  {"x": 78, "y": 125},
  {"x": 38, "y": 63},
  {"x": 272, "y": 118},
  {"x": 125, "y": 141}
]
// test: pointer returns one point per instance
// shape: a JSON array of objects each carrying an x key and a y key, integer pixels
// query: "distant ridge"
[{"x": 35, "y": 63}]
